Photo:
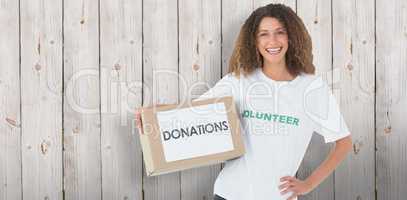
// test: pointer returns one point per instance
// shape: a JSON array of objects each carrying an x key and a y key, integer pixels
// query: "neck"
[{"x": 277, "y": 71}]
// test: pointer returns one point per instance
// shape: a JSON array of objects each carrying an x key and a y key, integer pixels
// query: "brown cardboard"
[{"x": 151, "y": 141}]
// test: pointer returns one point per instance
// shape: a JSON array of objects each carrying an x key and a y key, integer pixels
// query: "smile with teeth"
[{"x": 274, "y": 51}]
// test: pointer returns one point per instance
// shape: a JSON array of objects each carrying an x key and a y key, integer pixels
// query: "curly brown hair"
[{"x": 245, "y": 55}]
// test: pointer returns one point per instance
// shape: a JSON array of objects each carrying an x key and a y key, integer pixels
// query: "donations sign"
[
  {"x": 199, "y": 133},
  {"x": 195, "y": 131}
]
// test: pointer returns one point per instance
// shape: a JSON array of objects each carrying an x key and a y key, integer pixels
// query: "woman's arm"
[{"x": 297, "y": 187}]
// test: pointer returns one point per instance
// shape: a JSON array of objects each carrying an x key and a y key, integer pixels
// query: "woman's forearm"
[{"x": 337, "y": 154}]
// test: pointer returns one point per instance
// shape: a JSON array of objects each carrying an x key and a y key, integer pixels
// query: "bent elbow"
[{"x": 345, "y": 143}]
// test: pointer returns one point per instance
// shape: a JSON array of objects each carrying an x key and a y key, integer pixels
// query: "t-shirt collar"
[{"x": 263, "y": 76}]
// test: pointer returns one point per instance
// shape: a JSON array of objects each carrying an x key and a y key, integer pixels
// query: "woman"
[{"x": 282, "y": 102}]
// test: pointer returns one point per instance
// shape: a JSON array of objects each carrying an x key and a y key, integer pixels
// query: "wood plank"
[
  {"x": 233, "y": 16},
  {"x": 200, "y": 69},
  {"x": 10, "y": 129},
  {"x": 82, "y": 159},
  {"x": 160, "y": 79},
  {"x": 316, "y": 16},
  {"x": 391, "y": 99},
  {"x": 121, "y": 77},
  {"x": 354, "y": 75},
  {"x": 41, "y": 97},
  {"x": 289, "y": 3}
]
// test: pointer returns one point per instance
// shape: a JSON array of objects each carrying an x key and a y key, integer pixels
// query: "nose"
[{"x": 272, "y": 38}]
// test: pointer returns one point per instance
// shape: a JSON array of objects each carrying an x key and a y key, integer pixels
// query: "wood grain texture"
[
  {"x": 233, "y": 17},
  {"x": 41, "y": 99},
  {"x": 200, "y": 69},
  {"x": 391, "y": 99},
  {"x": 160, "y": 79},
  {"x": 72, "y": 72},
  {"x": 289, "y": 3},
  {"x": 354, "y": 85},
  {"x": 10, "y": 119},
  {"x": 82, "y": 159},
  {"x": 121, "y": 77}
]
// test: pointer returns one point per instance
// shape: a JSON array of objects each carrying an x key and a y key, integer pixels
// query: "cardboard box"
[{"x": 199, "y": 133}]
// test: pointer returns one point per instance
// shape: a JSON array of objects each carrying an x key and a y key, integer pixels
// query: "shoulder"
[
  {"x": 313, "y": 81},
  {"x": 311, "y": 77},
  {"x": 236, "y": 83},
  {"x": 314, "y": 89},
  {"x": 242, "y": 77},
  {"x": 231, "y": 78}
]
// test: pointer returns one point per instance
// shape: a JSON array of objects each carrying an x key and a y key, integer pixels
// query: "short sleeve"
[
  {"x": 324, "y": 111},
  {"x": 224, "y": 87}
]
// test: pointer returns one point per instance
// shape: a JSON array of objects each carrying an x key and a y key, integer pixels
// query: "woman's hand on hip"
[{"x": 295, "y": 186}]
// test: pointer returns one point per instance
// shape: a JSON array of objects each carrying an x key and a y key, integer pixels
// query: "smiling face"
[{"x": 272, "y": 41}]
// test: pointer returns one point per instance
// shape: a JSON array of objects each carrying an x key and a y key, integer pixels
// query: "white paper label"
[{"x": 196, "y": 131}]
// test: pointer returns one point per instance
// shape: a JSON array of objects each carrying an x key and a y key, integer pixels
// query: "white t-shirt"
[{"x": 278, "y": 119}]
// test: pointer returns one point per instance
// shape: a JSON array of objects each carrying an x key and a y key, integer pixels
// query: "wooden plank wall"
[
  {"x": 82, "y": 128},
  {"x": 72, "y": 73},
  {"x": 10, "y": 102},
  {"x": 391, "y": 99},
  {"x": 41, "y": 69}
]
